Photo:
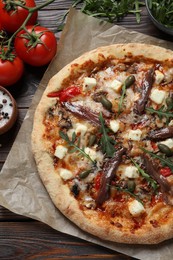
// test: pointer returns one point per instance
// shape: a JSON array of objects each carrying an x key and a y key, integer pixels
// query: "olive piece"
[
  {"x": 75, "y": 190},
  {"x": 131, "y": 186},
  {"x": 92, "y": 140},
  {"x": 165, "y": 149},
  {"x": 84, "y": 174},
  {"x": 106, "y": 103},
  {"x": 129, "y": 81}
]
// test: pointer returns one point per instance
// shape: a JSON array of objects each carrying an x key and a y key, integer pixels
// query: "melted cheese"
[
  {"x": 114, "y": 125},
  {"x": 134, "y": 135},
  {"x": 98, "y": 156},
  {"x": 65, "y": 174},
  {"x": 131, "y": 172},
  {"x": 60, "y": 151},
  {"x": 136, "y": 208},
  {"x": 80, "y": 128},
  {"x": 110, "y": 81},
  {"x": 116, "y": 85},
  {"x": 157, "y": 96},
  {"x": 159, "y": 76},
  {"x": 89, "y": 83}
]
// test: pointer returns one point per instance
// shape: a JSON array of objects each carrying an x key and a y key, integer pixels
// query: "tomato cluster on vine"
[{"x": 22, "y": 40}]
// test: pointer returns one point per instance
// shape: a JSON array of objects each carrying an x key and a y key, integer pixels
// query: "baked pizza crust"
[{"x": 89, "y": 220}]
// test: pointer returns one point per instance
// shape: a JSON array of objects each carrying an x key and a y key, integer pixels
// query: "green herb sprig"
[
  {"x": 107, "y": 142},
  {"x": 72, "y": 143},
  {"x": 127, "y": 83},
  {"x": 129, "y": 192},
  {"x": 110, "y": 10},
  {"x": 165, "y": 161},
  {"x": 162, "y": 10},
  {"x": 150, "y": 180},
  {"x": 161, "y": 112}
]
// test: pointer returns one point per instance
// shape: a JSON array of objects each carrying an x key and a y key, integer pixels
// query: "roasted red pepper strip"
[
  {"x": 165, "y": 172},
  {"x": 66, "y": 94},
  {"x": 54, "y": 94}
]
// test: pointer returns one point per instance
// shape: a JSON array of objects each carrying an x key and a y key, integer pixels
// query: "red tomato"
[
  {"x": 154, "y": 145},
  {"x": 10, "y": 71},
  {"x": 11, "y": 20},
  {"x": 37, "y": 47},
  {"x": 165, "y": 172},
  {"x": 66, "y": 94}
]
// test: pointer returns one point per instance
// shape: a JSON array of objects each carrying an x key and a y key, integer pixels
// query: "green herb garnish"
[
  {"x": 72, "y": 143},
  {"x": 150, "y": 180},
  {"x": 127, "y": 83},
  {"x": 162, "y": 10},
  {"x": 166, "y": 161},
  {"x": 110, "y": 10},
  {"x": 107, "y": 142},
  {"x": 129, "y": 192},
  {"x": 161, "y": 112},
  {"x": 138, "y": 15}
]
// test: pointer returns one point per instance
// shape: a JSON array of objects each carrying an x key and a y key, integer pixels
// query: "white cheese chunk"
[
  {"x": 60, "y": 151},
  {"x": 131, "y": 172},
  {"x": 114, "y": 125},
  {"x": 82, "y": 185},
  {"x": 65, "y": 174},
  {"x": 157, "y": 96},
  {"x": 136, "y": 208},
  {"x": 116, "y": 85},
  {"x": 89, "y": 83},
  {"x": 98, "y": 156},
  {"x": 135, "y": 135},
  {"x": 171, "y": 123},
  {"x": 168, "y": 142},
  {"x": 159, "y": 76},
  {"x": 92, "y": 153},
  {"x": 109, "y": 71},
  {"x": 80, "y": 128}
]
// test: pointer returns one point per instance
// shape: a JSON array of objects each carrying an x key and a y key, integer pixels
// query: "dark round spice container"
[{"x": 8, "y": 110}]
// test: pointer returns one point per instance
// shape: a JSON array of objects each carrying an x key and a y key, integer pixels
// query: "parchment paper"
[{"x": 21, "y": 190}]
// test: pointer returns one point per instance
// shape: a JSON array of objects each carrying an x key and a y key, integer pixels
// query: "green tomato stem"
[
  {"x": 23, "y": 26},
  {"x": 33, "y": 9}
]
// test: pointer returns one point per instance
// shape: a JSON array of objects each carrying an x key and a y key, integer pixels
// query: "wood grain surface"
[{"x": 23, "y": 238}]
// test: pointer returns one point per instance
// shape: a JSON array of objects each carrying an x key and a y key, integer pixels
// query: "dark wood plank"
[
  {"x": 34, "y": 240},
  {"x": 8, "y": 216},
  {"x": 1, "y": 164},
  {"x": 56, "y": 5}
]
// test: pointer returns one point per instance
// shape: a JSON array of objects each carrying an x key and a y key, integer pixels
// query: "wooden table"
[{"x": 23, "y": 238}]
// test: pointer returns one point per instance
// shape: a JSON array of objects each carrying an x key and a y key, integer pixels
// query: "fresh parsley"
[
  {"x": 107, "y": 142},
  {"x": 76, "y": 147}
]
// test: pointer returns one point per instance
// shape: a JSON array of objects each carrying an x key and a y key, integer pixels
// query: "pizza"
[{"x": 103, "y": 142}]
